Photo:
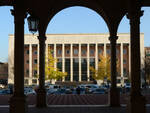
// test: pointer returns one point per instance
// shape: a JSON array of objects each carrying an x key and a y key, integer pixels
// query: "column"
[
  {"x": 38, "y": 61},
  {"x": 63, "y": 60},
  {"x": 80, "y": 63},
  {"x": 55, "y": 65},
  {"x": 88, "y": 62},
  {"x": 96, "y": 56},
  {"x": 30, "y": 64},
  {"x": 41, "y": 92},
  {"x": 137, "y": 100},
  {"x": 71, "y": 59},
  {"x": 114, "y": 96},
  {"x": 18, "y": 102},
  {"x": 129, "y": 48},
  {"x": 121, "y": 54},
  {"x": 105, "y": 49}
]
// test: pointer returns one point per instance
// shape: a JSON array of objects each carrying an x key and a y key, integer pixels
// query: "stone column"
[
  {"x": 96, "y": 56},
  {"x": 18, "y": 100},
  {"x": 121, "y": 58},
  {"x": 30, "y": 64},
  {"x": 79, "y": 62},
  {"x": 71, "y": 63},
  {"x": 63, "y": 60},
  {"x": 114, "y": 96},
  {"x": 137, "y": 100},
  {"x": 41, "y": 92},
  {"x": 38, "y": 61},
  {"x": 88, "y": 62}
]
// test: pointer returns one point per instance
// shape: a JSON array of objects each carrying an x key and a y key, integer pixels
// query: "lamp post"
[{"x": 33, "y": 23}]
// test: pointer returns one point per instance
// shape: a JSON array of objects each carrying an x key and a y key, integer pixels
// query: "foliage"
[
  {"x": 103, "y": 70},
  {"x": 51, "y": 72}
]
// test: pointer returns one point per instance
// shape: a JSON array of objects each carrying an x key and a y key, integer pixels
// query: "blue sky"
[{"x": 70, "y": 20}]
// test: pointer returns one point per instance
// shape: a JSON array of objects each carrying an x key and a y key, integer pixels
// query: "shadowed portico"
[{"x": 111, "y": 11}]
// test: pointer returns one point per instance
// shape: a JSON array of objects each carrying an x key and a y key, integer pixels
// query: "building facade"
[
  {"x": 3, "y": 73},
  {"x": 75, "y": 54}
]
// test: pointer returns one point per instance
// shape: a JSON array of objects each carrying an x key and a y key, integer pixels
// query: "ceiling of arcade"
[{"x": 112, "y": 11}]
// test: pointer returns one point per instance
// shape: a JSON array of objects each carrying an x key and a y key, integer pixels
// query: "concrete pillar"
[
  {"x": 38, "y": 61},
  {"x": 105, "y": 49},
  {"x": 41, "y": 92},
  {"x": 137, "y": 101},
  {"x": 30, "y": 64},
  {"x": 71, "y": 63},
  {"x": 18, "y": 100},
  {"x": 63, "y": 60},
  {"x": 114, "y": 96},
  {"x": 79, "y": 62},
  {"x": 96, "y": 56}
]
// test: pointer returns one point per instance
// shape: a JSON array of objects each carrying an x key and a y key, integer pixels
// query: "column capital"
[
  {"x": 113, "y": 38},
  {"x": 135, "y": 14}
]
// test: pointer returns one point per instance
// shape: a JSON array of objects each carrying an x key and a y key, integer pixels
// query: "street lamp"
[{"x": 33, "y": 24}]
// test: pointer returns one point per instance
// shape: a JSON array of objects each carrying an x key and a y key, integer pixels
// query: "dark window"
[
  {"x": 84, "y": 69},
  {"x": 75, "y": 51},
  {"x": 35, "y": 52},
  {"x": 34, "y": 81},
  {"x": 59, "y": 51},
  {"x": 67, "y": 69},
  {"x": 67, "y": 51},
  {"x": 92, "y": 64},
  {"x": 35, "y": 61},
  {"x": 35, "y": 72},
  {"x": 27, "y": 71},
  {"x": 27, "y": 61},
  {"x": 75, "y": 69},
  {"x": 27, "y": 52}
]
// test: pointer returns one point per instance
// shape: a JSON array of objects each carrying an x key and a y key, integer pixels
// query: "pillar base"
[
  {"x": 41, "y": 98},
  {"x": 136, "y": 104},
  {"x": 18, "y": 104},
  {"x": 114, "y": 97}
]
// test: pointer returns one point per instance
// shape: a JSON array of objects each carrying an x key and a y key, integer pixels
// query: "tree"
[
  {"x": 50, "y": 71},
  {"x": 103, "y": 70}
]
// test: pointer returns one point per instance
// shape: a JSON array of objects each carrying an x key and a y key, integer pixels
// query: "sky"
[{"x": 70, "y": 20}]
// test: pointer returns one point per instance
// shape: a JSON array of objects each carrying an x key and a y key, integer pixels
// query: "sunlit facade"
[{"x": 75, "y": 54}]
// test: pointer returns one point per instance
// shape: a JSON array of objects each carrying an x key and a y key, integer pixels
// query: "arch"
[{"x": 78, "y": 8}]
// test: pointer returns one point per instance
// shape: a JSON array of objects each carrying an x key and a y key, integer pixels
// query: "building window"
[
  {"x": 35, "y": 72},
  {"x": 75, "y": 51},
  {"x": 59, "y": 51},
  {"x": 26, "y": 81},
  {"x": 27, "y": 72},
  {"x": 35, "y": 52},
  {"x": 27, "y": 52},
  {"x": 117, "y": 51},
  {"x": 124, "y": 51},
  {"x": 108, "y": 51},
  {"x": 83, "y": 52},
  {"x": 99, "y": 51},
  {"x": 35, "y": 61},
  {"x": 34, "y": 81},
  {"x": 92, "y": 51},
  {"x": 124, "y": 61},
  {"x": 27, "y": 61},
  {"x": 67, "y": 51},
  {"x": 124, "y": 71}
]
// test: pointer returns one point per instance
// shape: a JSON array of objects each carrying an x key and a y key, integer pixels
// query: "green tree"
[{"x": 50, "y": 71}]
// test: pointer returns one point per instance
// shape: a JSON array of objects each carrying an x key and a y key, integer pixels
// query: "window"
[
  {"x": 124, "y": 71},
  {"x": 27, "y": 71},
  {"x": 67, "y": 51},
  {"x": 108, "y": 51},
  {"x": 35, "y": 72},
  {"x": 75, "y": 51},
  {"x": 35, "y": 52},
  {"x": 99, "y": 51},
  {"x": 27, "y": 61},
  {"x": 83, "y": 52},
  {"x": 35, "y": 61},
  {"x": 124, "y": 51},
  {"x": 27, "y": 52},
  {"x": 92, "y": 51},
  {"x": 26, "y": 81},
  {"x": 34, "y": 81},
  {"x": 117, "y": 51},
  {"x": 124, "y": 61},
  {"x": 59, "y": 51}
]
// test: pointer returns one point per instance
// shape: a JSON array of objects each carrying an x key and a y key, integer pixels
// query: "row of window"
[{"x": 83, "y": 52}]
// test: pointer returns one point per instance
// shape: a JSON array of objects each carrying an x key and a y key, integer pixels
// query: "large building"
[{"x": 75, "y": 54}]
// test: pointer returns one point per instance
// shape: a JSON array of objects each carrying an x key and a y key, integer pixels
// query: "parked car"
[
  {"x": 28, "y": 90},
  {"x": 4, "y": 91},
  {"x": 99, "y": 91}
]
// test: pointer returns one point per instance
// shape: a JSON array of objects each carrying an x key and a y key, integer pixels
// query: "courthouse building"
[{"x": 75, "y": 54}]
